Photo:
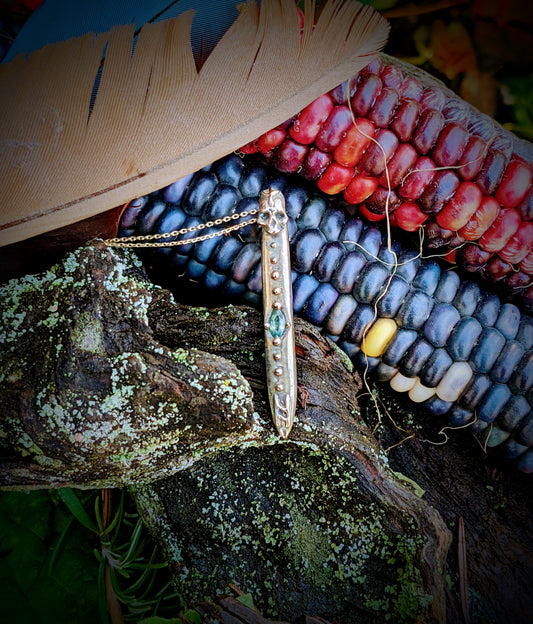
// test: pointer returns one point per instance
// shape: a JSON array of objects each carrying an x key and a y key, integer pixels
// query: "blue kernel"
[
  {"x": 508, "y": 320},
  {"x": 370, "y": 282},
  {"x": 437, "y": 406},
  {"x": 246, "y": 260},
  {"x": 351, "y": 232},
  {"x": 459, "y": 416},
  {"x": 327, "y": 261},
  {"x": 331, "y": 223},
  {"x": 408, "y": 264},
  {"x": 340, "y": 313},
  {"x": 204, "y": 249},
  {"x": 348, "y": 271},
  {"x": 363, "y": 362},
  {"x": 493, "y": 402},
  {"x": 510, "y": 449},
  {"x": 320, "y": 303},
  {"x": 295, "y": 198},
  {"x": 349, "y": 348},
  {"x": 252, "y": 298},
  {"x": 391, "y": 301},
  {"x": 415, "y": 358},
  {"x": 179, "y": 262},
  {"x": 513, "y": 413},
  {"x": 255, "y": 282},
  {"x": 525, "y": 463},
  {"x": 276, "y": 181},
  {"x": 415, "y": 310},
  {"x": 389, "y": 258},
  {"x": 370, "y": 241},
  {"x": 228, "y": 169},
  {"x": 401, "y": 341},
  {"x": 384, "y": 372},
  {"x": 311, "y": 214},
  {"x": 302, "y": 289},
  {"x": 222, "y": 202},
  {"x": 475, "y": 391},
  {"x": 358, "y": 323},
  {"x": 149, "y": 216},
  {"x": 443, "y": 318},
  {"x": 190, "y": 222},
  {"x": 433, "y": 371},
  {"x": 173, "y": 193},
  {"x": 225, "y": 254},
  {"x": 467, "y": 298},
  {"x": 234, "y": 289},
  {"x": 305, "y": 248},
  {"x": 525, "y": 332},
  {"x": 463, "y": 338},
  {"x": 427, "y": 277},
  {"x": 171, "y": 220},
  {"x": 447, "y": 287},
  {"x": 198, "y": 192},
  {"x": 213, "y": 280},
  {"x": 487, "y": 310},
  {"x": 251, "y": 181},
  {"x": 249, "y": 233},
  {"x": 195, "y": 269},
  {"x": 507, "y": 361},
  {"x": 292, "y": 228},
  {"x": 522, "y": 379},
  {"x": 487, "y": 350}
]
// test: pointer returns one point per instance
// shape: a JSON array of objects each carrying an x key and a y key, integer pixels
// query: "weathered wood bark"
[{"x": 106, "y": 381}]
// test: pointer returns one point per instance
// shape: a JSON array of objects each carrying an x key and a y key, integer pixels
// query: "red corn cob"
[{"x": 450, "y": 168}]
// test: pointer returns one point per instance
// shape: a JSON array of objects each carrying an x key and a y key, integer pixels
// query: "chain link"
[{"x": 144, "y": 240}]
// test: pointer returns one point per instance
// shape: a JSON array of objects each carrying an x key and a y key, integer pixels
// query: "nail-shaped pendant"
[{"x": 277, "y": 310}]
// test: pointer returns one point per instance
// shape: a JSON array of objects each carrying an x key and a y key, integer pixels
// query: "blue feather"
[{"x": 57, "y": 20}]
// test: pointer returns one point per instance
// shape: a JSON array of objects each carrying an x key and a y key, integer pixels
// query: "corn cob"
[
  {"x": 453, "y": 348},
  {"x": 451, "y": 169}
]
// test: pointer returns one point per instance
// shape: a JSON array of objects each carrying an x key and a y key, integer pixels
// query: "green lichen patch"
[{"x": 293, "y": 526}]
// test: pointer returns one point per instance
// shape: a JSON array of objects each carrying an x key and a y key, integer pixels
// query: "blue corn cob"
[{"x": 455, "y": 349}]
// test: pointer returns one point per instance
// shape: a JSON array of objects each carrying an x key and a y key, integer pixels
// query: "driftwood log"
[{"x": 107, "y": 381}]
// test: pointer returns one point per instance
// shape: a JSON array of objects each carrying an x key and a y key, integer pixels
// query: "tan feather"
[{"x": 156, "y": 117}]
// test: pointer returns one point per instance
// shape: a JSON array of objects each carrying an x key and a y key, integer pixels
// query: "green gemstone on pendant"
[{"x": 276, "y": 324}]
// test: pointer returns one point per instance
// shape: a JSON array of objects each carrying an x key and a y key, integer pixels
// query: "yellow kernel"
[{"x": 378, "y": 337}]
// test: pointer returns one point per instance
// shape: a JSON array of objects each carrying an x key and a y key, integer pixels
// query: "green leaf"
[
  {"x": 246, "y": 600},
  {"x": 193, "y": 616},
  {"x": 72, "y": 501},
  {"x": 160, "y": 620}
]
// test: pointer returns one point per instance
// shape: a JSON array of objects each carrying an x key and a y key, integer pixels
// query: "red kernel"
[
  {"x": 405, "y": 119},
  {"x": 450, "y": 145},
  {"x": 409, "y": 217},
  {"x": 334, "y": 129},
  {"x": 461, "y": 207},
  {"x": 481, "y": 220},
  {"x": 365, "y": 96},
  {"x": 515, "y": 184},
  {"x": 335, "y": 179},
  {"x": 375, "y": 158},
  {"x": 315, "y": 164},
  {"x": 404, "y": 158},
  {"x": 527, "y": 263},
  {"x": 472, "y": 159},
  {"x": 349, "y": 151},
  {"x": 290, "y": 156},
  {"x": 501, "y": 231},
  {"x": 360, "y": 188},
  {"x": 270, "y": 140},
  {"x": 519, "y": 245},
  {"x": 370, "y": 216},
  {"x": 307, "y": 124},
  {"x": 392, "y": 76},
  {"x": 415, "y": 183},
  {"x": 427, "y": 131},
  {"x": 491, "y": 172},
  {"x": 249, "y": 148},
  {"x": 384, "y": 107}
]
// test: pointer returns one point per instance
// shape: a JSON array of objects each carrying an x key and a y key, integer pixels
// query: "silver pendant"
[{"x": 280, "y": 353}]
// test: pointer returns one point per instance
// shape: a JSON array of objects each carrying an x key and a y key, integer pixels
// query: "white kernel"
[
  {"x": 400, "y": 383},
  {"x": 419, "y": 392},
  {"x": 455, "y": 380}
]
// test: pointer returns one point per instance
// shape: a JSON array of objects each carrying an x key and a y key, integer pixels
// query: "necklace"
[{"x": 278, "y": 322}]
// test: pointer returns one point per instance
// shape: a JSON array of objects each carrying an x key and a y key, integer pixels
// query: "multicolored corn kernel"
[
  {"x": 451, "y": 347},
  {"x": 435, "y": 152}
]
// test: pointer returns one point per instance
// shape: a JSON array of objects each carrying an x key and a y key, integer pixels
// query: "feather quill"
[{"x": 155, "y": 117}]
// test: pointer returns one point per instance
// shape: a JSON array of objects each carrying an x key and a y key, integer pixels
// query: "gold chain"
[{"x": 144, "y": 240}]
